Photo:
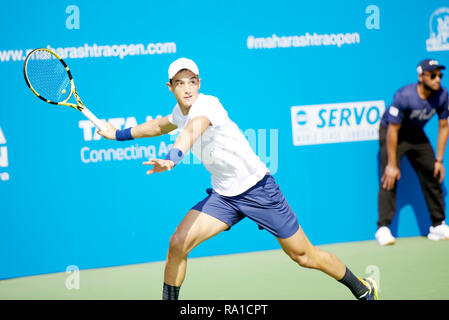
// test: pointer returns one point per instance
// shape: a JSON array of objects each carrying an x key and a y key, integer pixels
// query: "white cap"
[{"x": 182, "y": 63}]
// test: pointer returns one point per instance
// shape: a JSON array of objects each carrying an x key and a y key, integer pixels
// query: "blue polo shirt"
[{"x": 413, "y": 112}]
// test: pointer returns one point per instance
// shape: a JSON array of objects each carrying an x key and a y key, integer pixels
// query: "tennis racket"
[{"x": 49, "y": 78}]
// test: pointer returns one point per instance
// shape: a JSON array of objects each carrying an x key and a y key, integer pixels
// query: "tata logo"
[
  {"x": 338, "y": 122},
  {"x": 439, "y": 30}
]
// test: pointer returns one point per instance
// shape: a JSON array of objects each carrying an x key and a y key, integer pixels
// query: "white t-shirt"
[{"x": 222, "y": 148}]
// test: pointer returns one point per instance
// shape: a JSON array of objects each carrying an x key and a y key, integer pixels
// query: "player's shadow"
[{"x": 409, "y": 193}]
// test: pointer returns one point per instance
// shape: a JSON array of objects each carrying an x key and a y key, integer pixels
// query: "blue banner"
[{"x": 306, "y": 82}]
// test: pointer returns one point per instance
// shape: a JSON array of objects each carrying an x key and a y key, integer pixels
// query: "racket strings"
[{"x": 48, "y": 76}]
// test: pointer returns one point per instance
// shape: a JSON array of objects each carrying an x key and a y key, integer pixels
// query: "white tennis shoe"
[
  {"x": 440, "y": 232},
  {"x": 384, "y": 237}
]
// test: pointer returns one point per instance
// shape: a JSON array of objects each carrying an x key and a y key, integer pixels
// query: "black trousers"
[{"x": 419, "y": 152}]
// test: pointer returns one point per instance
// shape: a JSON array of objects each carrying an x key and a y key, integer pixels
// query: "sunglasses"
[{"x": 434, "y": 75}]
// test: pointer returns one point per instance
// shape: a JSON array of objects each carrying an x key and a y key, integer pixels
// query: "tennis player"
[{"x": 241, "y": 184}]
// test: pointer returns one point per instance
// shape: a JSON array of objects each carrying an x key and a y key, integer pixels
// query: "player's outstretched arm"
[
  {"x": 151, "y": 128},
  {"x": 193, "y": 130}
]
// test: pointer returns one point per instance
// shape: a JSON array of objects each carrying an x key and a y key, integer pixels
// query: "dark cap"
[{"x": 429, "y": 65}]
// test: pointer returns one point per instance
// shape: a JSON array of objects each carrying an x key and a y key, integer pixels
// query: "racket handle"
[{"x": 100, "y": 125}]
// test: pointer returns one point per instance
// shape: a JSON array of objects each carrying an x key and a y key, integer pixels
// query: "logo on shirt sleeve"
[{"x": 394, "y": 111}]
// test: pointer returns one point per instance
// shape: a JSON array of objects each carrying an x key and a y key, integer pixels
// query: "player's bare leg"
[
  {"x": 299, "y": 248},
  {"x": 195, "y": 228}
]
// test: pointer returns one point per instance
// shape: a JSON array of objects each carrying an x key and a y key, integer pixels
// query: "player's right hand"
[
  {"x": 390, "y": 176},
  {"x": 109, "y": 133},
  {"x": 160, "y": 165}
]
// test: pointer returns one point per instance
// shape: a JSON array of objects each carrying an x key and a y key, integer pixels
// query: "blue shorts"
[{"x": 263, "y": 203}]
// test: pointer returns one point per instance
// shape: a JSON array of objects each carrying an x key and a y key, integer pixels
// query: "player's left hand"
[
  {"x": 160, "y": 165},
  {"x": 439, "y": 171}
]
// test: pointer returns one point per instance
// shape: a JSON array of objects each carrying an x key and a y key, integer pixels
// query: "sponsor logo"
[
  {"x": 89, "y": 154},
  {"x": 422, "y": 114},
  {"x": 335, "y": 123},
  {"x": 439, "y": 30}
]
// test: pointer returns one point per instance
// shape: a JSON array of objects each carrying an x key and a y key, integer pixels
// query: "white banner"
[{"x": 338, "y": 122}]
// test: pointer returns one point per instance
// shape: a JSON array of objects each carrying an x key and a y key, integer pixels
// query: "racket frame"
[{"x": 80, "y": 106}]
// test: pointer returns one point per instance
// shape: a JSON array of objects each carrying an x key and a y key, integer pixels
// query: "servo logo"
[
  {"x": 4, "y": 176},
  {"x": 301, "y": 117},
  {"x": 334, "y": 123}
]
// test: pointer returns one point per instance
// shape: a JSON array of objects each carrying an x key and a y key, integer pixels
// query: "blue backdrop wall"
[{"x": 306, "y": 81}]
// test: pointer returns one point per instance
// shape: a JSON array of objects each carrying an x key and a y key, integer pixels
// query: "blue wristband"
[
  {"x": 174, "y": 155},
  {"x": 123, "y": 135}
]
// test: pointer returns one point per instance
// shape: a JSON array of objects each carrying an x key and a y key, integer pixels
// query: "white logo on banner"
[
  {"x": 334, "y": 123},
  {"x": 4, "y": 176},
  {"x": 439, "y": 30}
]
